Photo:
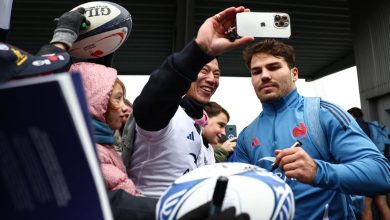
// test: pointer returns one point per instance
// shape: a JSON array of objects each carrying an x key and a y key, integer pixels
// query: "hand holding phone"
[{"x": 229, "y": 144}]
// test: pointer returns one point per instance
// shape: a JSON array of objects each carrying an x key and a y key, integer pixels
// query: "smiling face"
[
  {"x": 117, "y": 109},
  {"x": 271, "y": 77},
  {"x": 206, "y": 84},
  {"x": 215, "y": 128}
]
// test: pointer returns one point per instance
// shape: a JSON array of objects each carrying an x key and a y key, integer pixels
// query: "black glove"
[
  {"x": 202, "y": 213},
  {"x": 68, "y": 27}
]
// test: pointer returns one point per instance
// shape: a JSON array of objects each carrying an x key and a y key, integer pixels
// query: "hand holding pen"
[
  {"x": 297, "y": 163},
  {"x": 275, "y": 165}
]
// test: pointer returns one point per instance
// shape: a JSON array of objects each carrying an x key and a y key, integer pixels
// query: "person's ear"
[{"x": 294, "y": 74}]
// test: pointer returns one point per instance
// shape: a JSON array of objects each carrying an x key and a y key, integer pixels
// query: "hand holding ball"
[{"x": 110, "y": 26}]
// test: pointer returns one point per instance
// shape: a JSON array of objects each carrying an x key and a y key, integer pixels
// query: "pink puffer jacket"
[{"x": 98, "y": 81}]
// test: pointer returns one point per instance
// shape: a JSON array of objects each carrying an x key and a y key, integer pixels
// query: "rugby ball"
[
  {"x": 252, "y": 190},
  {"x": 110, "y": 27}
]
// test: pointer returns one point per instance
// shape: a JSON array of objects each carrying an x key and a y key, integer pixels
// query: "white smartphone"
[{"x": 263, "y": 24}]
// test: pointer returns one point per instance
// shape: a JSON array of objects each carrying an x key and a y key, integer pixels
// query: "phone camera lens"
[
  {"x": 284, "y": 17},
  {"x": 277, "y": 17},
  {"x": 281, "y": 23}
]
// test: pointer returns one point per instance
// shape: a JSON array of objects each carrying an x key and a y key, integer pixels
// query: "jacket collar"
[
  {"x": 192, "y": 108},
  {"x": 282, "y": 103}
]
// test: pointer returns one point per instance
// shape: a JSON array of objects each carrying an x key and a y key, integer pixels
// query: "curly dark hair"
[
  {"x": 356, "y": 112},
  {"x": 270, "y": 46}
]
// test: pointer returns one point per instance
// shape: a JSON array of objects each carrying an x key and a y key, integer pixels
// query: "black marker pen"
[{"x": 219, "y": 195}]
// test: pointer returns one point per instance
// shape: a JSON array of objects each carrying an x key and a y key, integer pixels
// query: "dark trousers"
[
  {"x": 126, "y": 206},
  {"x": 3, "y": 35}
]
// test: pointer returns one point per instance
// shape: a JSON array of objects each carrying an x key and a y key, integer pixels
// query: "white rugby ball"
[
  {"x": 110, "y": 27},
  {"x": 252, "y": 190}
]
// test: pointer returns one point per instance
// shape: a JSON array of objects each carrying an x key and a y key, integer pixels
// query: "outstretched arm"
[{"x": 160, "y": 98}]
